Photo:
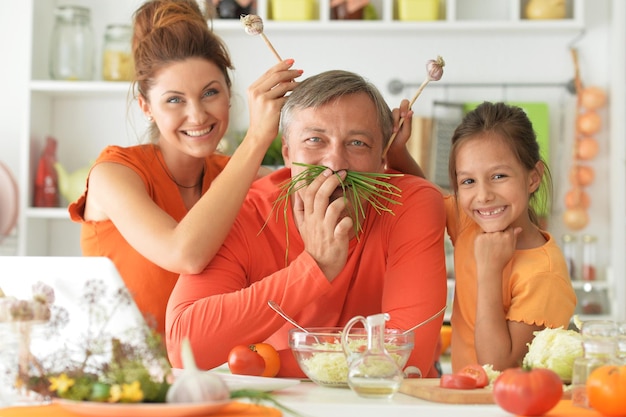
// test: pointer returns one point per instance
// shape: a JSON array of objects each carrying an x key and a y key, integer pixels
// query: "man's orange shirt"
[{"x": 396, "y": 266}]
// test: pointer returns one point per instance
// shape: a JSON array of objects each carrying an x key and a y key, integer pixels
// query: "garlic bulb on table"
[{"x": 194, "y": 385}]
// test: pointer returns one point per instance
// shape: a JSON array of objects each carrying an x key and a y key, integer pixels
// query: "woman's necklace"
[{"x": 199, "y": 183}]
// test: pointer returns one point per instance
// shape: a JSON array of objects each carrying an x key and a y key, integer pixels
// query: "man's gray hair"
[{"x": 327, "y": 86}]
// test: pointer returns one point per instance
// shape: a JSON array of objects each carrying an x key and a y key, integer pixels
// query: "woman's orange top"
[{"x": 149, "y": 284}]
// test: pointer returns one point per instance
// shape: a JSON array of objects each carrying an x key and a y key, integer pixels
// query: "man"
[{"x": 307, "y": 257}]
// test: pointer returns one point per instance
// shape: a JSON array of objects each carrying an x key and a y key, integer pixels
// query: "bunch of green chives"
[{"x": 369, "y": 187}]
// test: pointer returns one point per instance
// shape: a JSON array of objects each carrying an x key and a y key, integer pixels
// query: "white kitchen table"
[{"x": 311, "y": 400}]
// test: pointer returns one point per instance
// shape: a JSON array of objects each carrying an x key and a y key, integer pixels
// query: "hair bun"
[{"x": 157, "y": 14}]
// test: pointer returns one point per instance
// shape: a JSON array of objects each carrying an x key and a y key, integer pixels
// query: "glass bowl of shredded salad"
[{"x": 321, "y": 357}]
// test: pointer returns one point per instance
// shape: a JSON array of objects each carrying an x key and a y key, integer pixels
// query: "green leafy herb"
[
  {"x": 257, "y": 396},
  {"x": 369, "y": 187}
]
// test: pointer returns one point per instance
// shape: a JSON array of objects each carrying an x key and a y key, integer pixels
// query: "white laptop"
[{"x": 87, "y": 292}]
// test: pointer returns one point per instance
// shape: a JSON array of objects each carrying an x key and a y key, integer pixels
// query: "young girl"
[{"x": 511, "y": 277}]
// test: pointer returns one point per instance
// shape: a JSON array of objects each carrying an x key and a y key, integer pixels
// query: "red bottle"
[{"x": 46, "y": 180}]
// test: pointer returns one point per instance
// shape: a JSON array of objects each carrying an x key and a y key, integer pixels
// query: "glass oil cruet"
[
  {"x": 600, "y": 347},
  {"x": 372, "y": 373}
]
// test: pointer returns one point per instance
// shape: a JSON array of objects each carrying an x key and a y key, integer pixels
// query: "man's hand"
[{"x": 324, "y": 225}]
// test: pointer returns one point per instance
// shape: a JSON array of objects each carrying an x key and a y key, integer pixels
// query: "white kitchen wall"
[{"x": 13, "y": 78}]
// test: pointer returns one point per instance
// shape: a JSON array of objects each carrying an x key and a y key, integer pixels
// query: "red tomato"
[
  {"x": 606, "y": 390},
  {"x": 457, "y": 381},
  {"x": 527, "y": 392},
  {"x": 477, "y": 372},
  {"x": 244, "y": 360}
]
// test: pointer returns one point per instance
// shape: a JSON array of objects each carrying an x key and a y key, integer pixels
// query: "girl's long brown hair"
[{"x": 511, "y": 125}]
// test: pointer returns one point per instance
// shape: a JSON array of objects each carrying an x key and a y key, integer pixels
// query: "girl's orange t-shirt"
[{"x": 536, "y": 287}]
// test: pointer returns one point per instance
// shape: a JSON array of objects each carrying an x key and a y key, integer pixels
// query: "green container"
[
  {"x": 294, "y": 9},
  {"x": 418, "y": 10}
]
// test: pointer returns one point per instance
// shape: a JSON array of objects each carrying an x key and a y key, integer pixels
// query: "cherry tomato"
[
  {"x": 606, "y": 390},
  {"x": 477, "y": 372},
  {"x": 244, "y": 360},
  {"x": 527, "y": 392},
  {"x": 271, "y": 358},
  {"x": 457, "y": 381}
]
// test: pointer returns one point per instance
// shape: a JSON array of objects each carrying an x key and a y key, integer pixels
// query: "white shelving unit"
[
  {"x": 87, "y": 116},
  {"x": 454, "y": 15},
  {"x": 84, "y": 117}
]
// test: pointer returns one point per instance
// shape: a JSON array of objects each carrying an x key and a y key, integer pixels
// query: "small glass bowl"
[{"x": 320, "y": 354}]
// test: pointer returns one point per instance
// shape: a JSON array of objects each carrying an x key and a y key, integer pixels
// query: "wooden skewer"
[
  {"x": 401, "y": 122},
  {"x": 267, "y": 41},
  {"x": 428, "y": 320},
  {"x": 253, "y": 25}
]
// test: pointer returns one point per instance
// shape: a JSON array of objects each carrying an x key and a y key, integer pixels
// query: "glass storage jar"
[
  {"x": 590, "y": 267},
  {"x": 117, "y": 58},
  {"x": 592, "y": 300},
  {"x": 599, "y": 339},
  {"x": 71, "y": 48},
  {"x": 621, "y": 341},
  {"x": 569, "y": 252}
]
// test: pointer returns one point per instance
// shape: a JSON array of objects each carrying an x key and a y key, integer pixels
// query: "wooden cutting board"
[{"x": 429, "y": 389}]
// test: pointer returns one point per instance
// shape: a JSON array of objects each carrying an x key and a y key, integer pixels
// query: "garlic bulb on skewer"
[
  {"x": 253, "y": 25},
  {"x": 434, "y": 68},
  {"x": 434, "y": 72}
]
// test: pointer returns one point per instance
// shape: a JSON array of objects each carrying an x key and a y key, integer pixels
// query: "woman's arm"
[{"x": 188, "y": 246}]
